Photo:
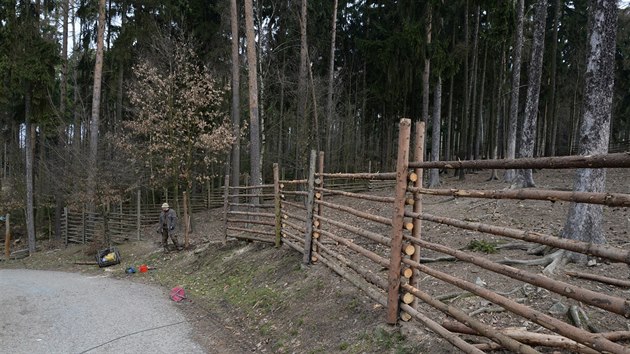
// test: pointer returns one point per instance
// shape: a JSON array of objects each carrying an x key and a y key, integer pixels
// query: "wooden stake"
[
  {"x": 277, "y": 204},
  {"x": 308, "y": 240},
  {"x": 186, "y": 230},
  {"x": 418, "y": 155},
  {"x": 138, "y": 214},
  {"x": 226, "y": 206},
  {"x": 397, "y": 221},
  {"x": 7, "y": 237}
]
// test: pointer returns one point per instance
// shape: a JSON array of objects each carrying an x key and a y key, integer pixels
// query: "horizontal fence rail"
[{"x": 375, "y": 241}]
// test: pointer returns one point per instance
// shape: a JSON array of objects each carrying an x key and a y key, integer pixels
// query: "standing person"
[{"x": 168, "y": 227}]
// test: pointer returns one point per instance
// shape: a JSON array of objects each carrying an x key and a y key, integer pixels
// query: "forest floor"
[{"x": 260, "y": 299}]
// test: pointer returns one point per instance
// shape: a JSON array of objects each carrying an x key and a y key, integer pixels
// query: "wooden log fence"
[
  {"x": 390, "y": 268},
  {"x": 252, "y": 220},
  {"x": 128, "y": 220}
]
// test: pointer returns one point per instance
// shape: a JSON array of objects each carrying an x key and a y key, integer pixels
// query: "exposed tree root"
[
  {"x": 493, "y": 176},
  {"x": 487, "y": 309},
  {"x": 514, "y": 246},
  {"x": 539, "y": 250},
  {"x": 551, "y": 261},
  {"x": 580, "y": 319},
  {"x": 437, "y": 259}
]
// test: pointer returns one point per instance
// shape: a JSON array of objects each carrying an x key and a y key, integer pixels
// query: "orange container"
[{"x": 143, "y": 268}]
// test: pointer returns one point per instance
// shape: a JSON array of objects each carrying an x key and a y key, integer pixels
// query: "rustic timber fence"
[
  {"x": 124, "y": 221},
  {"x": 360, "y": 235}
]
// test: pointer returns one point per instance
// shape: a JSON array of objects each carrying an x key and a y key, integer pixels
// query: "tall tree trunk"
[
  {"x": 463, "y": 131},
  {"x": 528, "y": 133},
  {"x": 427, "y": 70},
  {"x": 497, "y": 117},
  {"x": 96, "y": 103},
  {"x": 331, "y": 80},
  {"x": 553, "y": 119},
  {"x": 28, "y": 153},
  {"x": 303, "y": 72},
  {"x": 480, "y": 140},
  {"x": 434, "y": 176},
  {"x": 235, "y": 170},
  {"x": 76, "y": 129},
  {"x": 254, "y": 123},
  {"x": 449, "y": 139},
  {"x": 516, "y": 83},
  {"x": 63, "y": 93},
  {"x": 473, "y": 89},
  {"x": 584, "y": 221}
]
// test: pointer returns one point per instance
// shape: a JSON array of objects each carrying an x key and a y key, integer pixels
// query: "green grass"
[{"x": 482, "y": 246}]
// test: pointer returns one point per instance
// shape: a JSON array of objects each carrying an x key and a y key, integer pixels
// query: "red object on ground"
[
  {"x": 178, "y": 294},
  {"x": 143, "y": 268}
]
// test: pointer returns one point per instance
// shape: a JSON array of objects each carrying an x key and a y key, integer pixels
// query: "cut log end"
[
  {"x": 413, "y": 177},
  {"x": 408, "y": 298},
  {"x": 405, "y": 316},
  {"x": 409, "y": 226},
  {"x": 407, "y": 273},
  {"x": 409, "y": 249}
]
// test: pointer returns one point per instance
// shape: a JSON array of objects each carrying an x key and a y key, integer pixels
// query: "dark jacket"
[{"x": 168, "y": 219}]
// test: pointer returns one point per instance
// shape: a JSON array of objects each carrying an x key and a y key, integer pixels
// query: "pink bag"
[{"x": 178, "y": 294}]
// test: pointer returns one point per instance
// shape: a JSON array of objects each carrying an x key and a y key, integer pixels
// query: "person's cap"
[{"x": 165, "y": 206}]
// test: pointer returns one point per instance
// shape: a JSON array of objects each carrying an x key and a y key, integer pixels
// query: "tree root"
[
  {"x": 580, "y": 319},
  {"x": 450, "y": 297},
  {"x": 437, "y": 259},
  {"x": 551, "y": 261},
  {"x": 487, "y": 309},
  {"x": 538, "y": 250},
  {"x": 514, "y": 246}
]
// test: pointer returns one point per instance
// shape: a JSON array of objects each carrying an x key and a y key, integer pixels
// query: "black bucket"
[{"x": 105, "y": 260}]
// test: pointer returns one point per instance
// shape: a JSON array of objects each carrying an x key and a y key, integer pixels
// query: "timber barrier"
[
  {"x": 126, "y": 220},
  {"x": 377, "y": 246}
]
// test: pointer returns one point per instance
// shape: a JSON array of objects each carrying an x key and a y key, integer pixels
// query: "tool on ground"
[{"x": 178, "y": 294}]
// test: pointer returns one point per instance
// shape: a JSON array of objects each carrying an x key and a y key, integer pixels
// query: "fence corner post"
[
  {"x": 395, "y": 259},
  {"x": 308, "y": 235},
  {"x": 226, "y": 205},
  {"x": 276, "y": 198}
]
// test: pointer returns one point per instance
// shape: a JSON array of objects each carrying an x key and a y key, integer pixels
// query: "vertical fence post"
[
  {"x": 418, "y": 155},
  {"x": 185, "y": 219},
  {"x": 66, "y": 228},
  {"x": 308, "y": 235},
  {"x": 276, "y": 199},
  {"x": 138, "y": 213},
  {"x": 83, "y": 226},
  {"x": 209, "y": 194},
  {"x": 319, "y": 196},
  {"x": 398, "y": 221},
  {"x": 7, "y": 237},
  {"x": 226, "y": 205}
]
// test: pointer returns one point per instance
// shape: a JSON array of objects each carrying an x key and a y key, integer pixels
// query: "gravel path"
[{"x": 54, "y": 312}]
